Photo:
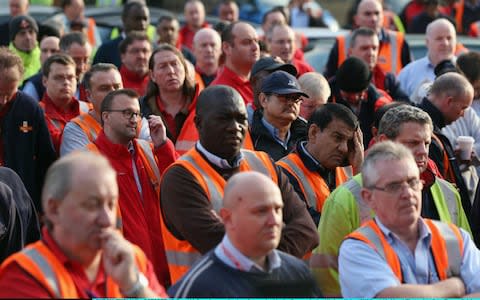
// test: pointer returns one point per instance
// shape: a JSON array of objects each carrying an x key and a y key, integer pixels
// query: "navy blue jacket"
[
  {"x": 109, "y": 53},
  {"x": 27, "y": 146}
]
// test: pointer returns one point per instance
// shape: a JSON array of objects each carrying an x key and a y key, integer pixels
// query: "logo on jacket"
[{"x": 25, "y": 128}]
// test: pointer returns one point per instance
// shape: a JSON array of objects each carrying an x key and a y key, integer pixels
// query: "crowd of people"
[{"x": 208, "y": 161}]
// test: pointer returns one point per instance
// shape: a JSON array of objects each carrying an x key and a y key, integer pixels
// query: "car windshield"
[{"x": 272, "y": 3}]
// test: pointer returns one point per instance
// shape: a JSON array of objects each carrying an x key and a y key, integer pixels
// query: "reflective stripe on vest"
[
  {"x": 449, "y": 198},
  {"x": 56, "y": 123},
  {"x": 89, "y": 126},
  {"x": 312, "y": 184},
  {"x": 41, "y": 263},
  {"x": 446, "y": 246},
  {"x": 364, "y": 211},
  {"x": 46, "y": 269},
  {"x": 188, "y": 135},
  {"x": 389, "y": 53},
  {"x": 181, "y": 255},
  {"x": 178, "y": 258},
  {"x": 150, "y": 164}
]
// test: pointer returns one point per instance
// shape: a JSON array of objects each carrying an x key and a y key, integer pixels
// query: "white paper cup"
[{"x": 465, "y": 143}]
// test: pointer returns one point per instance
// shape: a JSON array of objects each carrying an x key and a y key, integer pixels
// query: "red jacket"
[
  {"x": 186, "y": 35},
  {"x": 140, "y": 213},
  {"x": 131, "y": 80},
  {"x": 57, "y": 119}
]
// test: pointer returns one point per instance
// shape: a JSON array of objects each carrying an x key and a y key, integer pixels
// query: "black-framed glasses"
[
  {"x": 127, "y": 113},
  {"x": 292, "y": 98},
  {"x": 395, "y": 187}
]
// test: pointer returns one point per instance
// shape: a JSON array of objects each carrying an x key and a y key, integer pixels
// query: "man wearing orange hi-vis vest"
[
  {"x": 192, "y": 188},
  {"x": 333, "y": 151},
  {"x": 393, "y": 53},
  {"x": 81, "y": 254},
  {"x": 139, "y": 165},
  {"x": 399, "y": 253},
  {"x": 101, "y": 79}
]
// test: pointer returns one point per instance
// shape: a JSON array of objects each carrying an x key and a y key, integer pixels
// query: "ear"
[
  {"x": 225, "y": 215},
  {"x": 312, "y": 132},
  {"x": 122, "y": 57},
  {"x": 367, "y": 197},
  {"x": 44, "y": 81},
  {"x": 262, "y": 98},
  {"x": 226, "y": 48},
  {"x": 151, "y": 75},
  {"x": 382, "y": 138},
  {"x": 51, "y": 209},
  {"x": 104, "y": 117}
]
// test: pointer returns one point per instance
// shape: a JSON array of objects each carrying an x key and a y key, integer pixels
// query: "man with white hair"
[
  {"x": 440, "y": 39},
  {"x": 207, "y": 45}
]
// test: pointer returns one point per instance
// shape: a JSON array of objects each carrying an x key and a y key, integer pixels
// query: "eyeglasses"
[
  {"x": 127, "y": 113},
  {"x": 395, "y": 187},
  {"x": 294, "y": 98}
]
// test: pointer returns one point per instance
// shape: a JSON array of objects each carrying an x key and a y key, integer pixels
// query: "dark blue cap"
[{"x": 281, "y": 83}]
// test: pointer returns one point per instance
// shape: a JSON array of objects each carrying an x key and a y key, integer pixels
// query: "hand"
[
  {"x": 158, "y": 132},
  {"x": 458, "y": 156},
  {"x": 119, "y": 259},
  {"x": 355, "y": 154}
]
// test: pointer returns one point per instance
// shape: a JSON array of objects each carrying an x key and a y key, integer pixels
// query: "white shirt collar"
[
  {"x": 239, "y": 261},
  {"x": 218, "y": 161}
]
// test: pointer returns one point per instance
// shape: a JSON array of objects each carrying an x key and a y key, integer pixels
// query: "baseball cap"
[
  {"x": 281, "y": 83},
  {"x": 271, "y": 64}
]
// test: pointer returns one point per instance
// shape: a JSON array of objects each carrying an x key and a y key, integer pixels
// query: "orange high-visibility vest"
[
  {"x": 41, "y": 263},
  {"x": 312, "y": 184},
  {"x": 181, "y": 255},
  {"x": 446, "y": 247},
  {"x": 459, "y": 8},
  {"x": 89, "y": 125},
  {"x": 389, "y": 54}
]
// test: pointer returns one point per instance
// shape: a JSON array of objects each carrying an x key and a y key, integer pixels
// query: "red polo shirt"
[
  {"x": 16, "y": 283},
  {"x": 227, "y": 77}
]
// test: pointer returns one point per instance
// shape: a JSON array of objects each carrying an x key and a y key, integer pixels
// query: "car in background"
[{"x": 318, "y": 55}]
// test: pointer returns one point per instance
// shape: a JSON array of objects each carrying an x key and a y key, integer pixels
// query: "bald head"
[
  {"x": 441, "y": 40},
  {"x": 242, "y": 186},
  {"x": 216, "y": 97},
  {"x": 252, "y": 214}
]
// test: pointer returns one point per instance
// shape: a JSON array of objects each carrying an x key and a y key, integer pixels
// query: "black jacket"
[
  {"x": 19, "y": 224},
  {"x": 264, "y": 141},
  {"x": 27, "y": 146},
  {"x": 109, "y": 53}
]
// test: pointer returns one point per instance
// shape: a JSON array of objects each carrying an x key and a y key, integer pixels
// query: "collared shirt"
[
  {"x": 231, "y": 256},
  {"x": 275, "y": 133},
  {"x": 415, "y": 74},
  {"x": 314, "y": 165},
  {"x": 218, "y": 161},
  {"x": 359, "y": 260}
]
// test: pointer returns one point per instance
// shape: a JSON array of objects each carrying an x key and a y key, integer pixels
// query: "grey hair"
[
  {"x": 451, "y": 84},
  {"x": 392, "y": 120},
  {"x": 59, "y": 178},
  {"x": 381, "y": 152},
  {"x": 315, "y": 85}
]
